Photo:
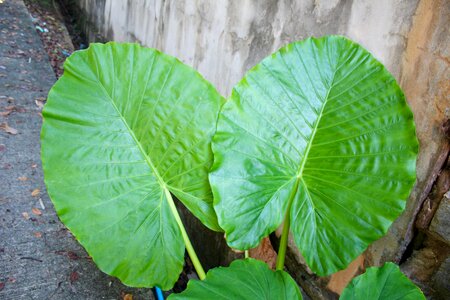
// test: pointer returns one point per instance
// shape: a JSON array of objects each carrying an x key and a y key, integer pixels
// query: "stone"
[
  {"x": 441, "y": 282},
  {"x": 440, "y": 225},
  {"x": 341, "y": 279},
  {"x": 265, "y": 253}
]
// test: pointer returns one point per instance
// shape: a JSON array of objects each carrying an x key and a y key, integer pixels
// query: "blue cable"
[{"x": 159, "y": 293}]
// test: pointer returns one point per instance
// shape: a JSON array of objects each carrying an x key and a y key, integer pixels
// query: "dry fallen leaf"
[
  {"x": 72, "y": 255},
  {"x": 5, "y": 113},
  {"x": 38, "y": 234},
  {"x": 36, "y": 211},
  {"x": 40, "y": 102},
  {"x": 6, "y": 128},
  {"x": 26, "y": 216},
  {"x": 35, "y": 192},
  {"x": 34, "y": 166},
  {"x": 23, "y": 178},
  {"x": 127, "y": 297},
  {"x": 73, "y": 276}
]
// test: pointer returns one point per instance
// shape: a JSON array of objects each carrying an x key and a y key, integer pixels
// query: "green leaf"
[
  {"x": 243, "y": 279},
  {"x": 322, "y": 128},
  {"x": 386, "y": 282},
  {"x": 124, "y": 126}
]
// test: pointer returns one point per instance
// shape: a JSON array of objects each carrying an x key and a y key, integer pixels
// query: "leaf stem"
[
  {"x": 284, "y": 239},
  {"x": 190, "y": 249},
  {"x": 286, "y": 226}
]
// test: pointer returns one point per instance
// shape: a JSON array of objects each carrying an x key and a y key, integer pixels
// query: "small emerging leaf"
[
  {"x": 248, "y": 279},
  {"x": 386, "y": 282}
]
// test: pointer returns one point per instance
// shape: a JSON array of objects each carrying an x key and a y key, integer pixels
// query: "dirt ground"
[{"x": 39, "y": 258}]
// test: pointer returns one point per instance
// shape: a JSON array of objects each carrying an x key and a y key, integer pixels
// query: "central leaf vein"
[
  {"x": 301, "y": 168},
  {"x": 130, "y": 131}
]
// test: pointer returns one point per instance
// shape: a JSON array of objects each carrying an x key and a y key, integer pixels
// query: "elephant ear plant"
[
  {"x": 387, "y": 282},
  {"x": 317, "y": 137},
  {"x": 124, "y": 129}
]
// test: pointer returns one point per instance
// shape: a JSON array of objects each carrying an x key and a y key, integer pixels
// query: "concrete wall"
[{"x": 223, "y": 39}]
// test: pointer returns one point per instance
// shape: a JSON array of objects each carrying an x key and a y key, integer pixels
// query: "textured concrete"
[
  {"x": 39, "y": 258},
  {"x": 223, "y": 39}
]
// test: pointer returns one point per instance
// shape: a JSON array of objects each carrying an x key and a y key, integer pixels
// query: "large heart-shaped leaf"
[
  {"x": 243, "y": 280},
  {"x": 124, "y": 128},
  {"x": 386, "y": 282},
  {"x": 320, "y": 132}
]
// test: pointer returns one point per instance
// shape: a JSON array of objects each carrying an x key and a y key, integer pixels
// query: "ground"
[{"x": 39, "y": 258}]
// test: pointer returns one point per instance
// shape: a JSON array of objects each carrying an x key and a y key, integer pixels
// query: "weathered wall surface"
[{"x": 223, "y": 39}]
